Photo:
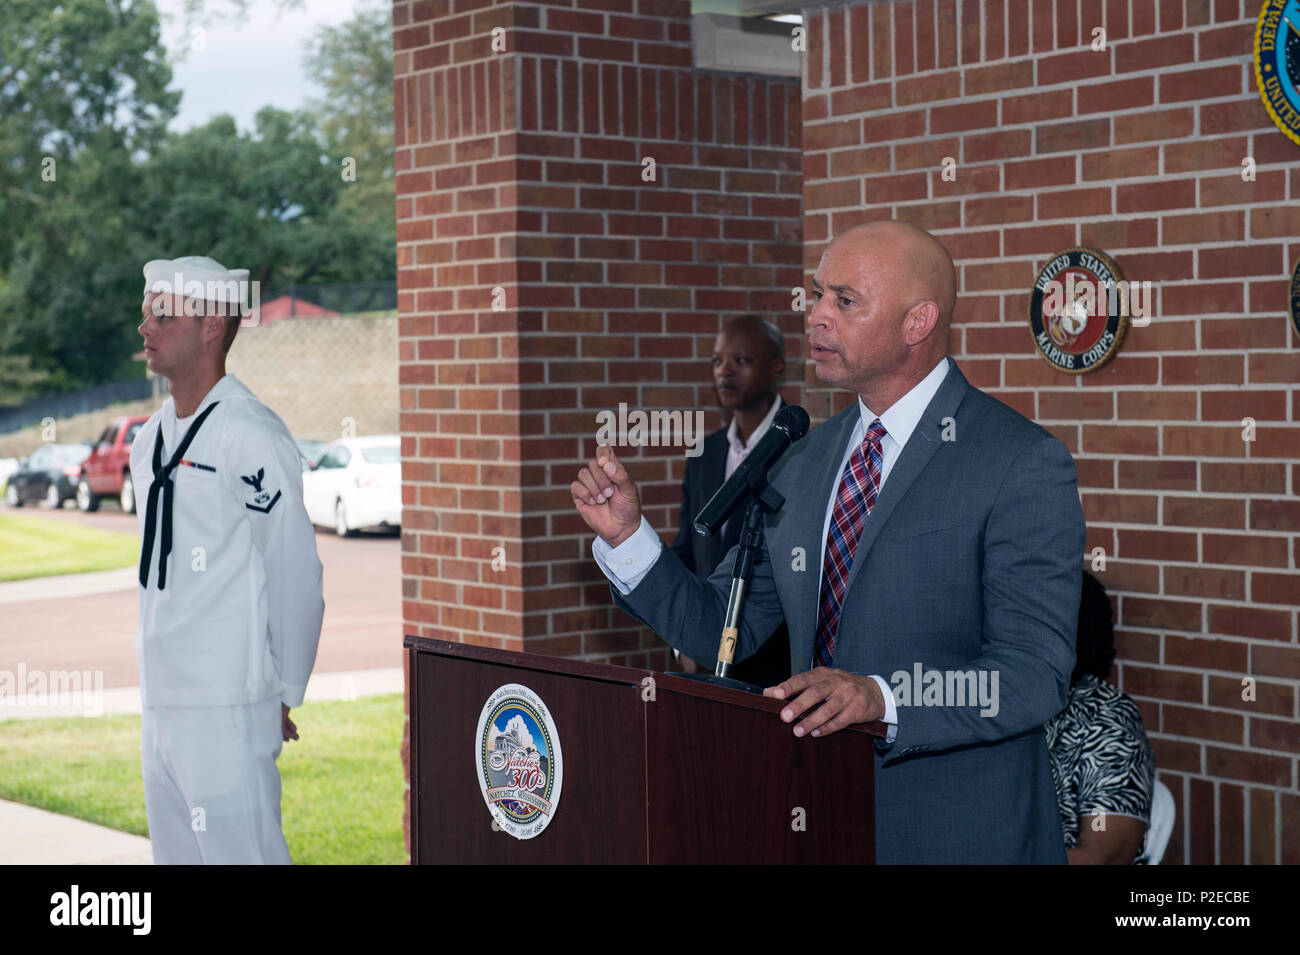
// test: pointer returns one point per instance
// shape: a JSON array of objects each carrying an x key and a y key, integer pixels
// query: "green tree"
[
  {"x": 270, "y": 201},
  {"x": 67, "y": 72},
  {"x": 353, "y": 63},
  {"x": 83, "y": 85},
  {"x": 83, "y": 88}
]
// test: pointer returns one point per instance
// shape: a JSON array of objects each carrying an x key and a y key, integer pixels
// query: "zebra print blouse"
[{"x": 1100, "y": 757}]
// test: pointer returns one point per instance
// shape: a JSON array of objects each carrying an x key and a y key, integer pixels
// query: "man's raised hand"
[{"x": 606, "y": 497}]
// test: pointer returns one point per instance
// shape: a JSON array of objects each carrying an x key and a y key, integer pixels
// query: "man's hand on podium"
[
  {"x": 606, "y": 497},
  {"x": 849, "y": 698}
]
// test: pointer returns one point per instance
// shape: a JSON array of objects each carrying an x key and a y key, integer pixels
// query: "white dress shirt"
[
  {"x": 628, "y": 563},
  {"x": 738, "y": 450}
]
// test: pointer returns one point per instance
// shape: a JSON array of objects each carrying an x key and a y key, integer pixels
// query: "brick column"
[{"x": 578, "y": 212}]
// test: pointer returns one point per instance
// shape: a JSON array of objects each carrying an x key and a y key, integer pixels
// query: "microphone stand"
[{"x": 762, "y": 499}]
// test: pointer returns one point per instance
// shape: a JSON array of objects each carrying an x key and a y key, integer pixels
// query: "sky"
[{"x": 247, "y": 63}]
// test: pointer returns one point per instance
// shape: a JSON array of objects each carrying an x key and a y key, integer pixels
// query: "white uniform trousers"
[{"x": 211, "y": 786}]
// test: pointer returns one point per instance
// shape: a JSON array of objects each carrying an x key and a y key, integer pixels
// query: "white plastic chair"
[{"x": 1161, "y": 826}]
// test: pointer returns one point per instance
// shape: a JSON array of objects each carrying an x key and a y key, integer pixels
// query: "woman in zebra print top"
[{"x": 1101, "y": 761}]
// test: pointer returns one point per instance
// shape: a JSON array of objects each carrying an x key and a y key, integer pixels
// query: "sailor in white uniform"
[{"x": 230, "y": 583}]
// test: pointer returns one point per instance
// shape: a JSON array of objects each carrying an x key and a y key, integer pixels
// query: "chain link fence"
[
  {"x": 327, "y": 376},
  {"x": 350, "y": 298}
]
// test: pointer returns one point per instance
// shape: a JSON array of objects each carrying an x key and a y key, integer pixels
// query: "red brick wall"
[
  {"x": 523, "y": 170},
  {"x": 520, "y": 170},
  {"x": 1136, "y": 149}
]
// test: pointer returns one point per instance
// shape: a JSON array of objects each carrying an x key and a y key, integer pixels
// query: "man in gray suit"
[{"x": 931, "y": 535}]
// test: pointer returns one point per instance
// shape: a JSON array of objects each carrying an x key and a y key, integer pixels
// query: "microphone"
[{"x": 789, "y": 425}]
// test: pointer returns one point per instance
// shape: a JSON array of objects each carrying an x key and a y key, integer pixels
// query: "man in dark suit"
[
  {"x": 931, "y": 535},
  {"x": 748, "y": 361}
]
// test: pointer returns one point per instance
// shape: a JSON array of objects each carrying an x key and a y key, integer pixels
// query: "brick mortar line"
[
  {"x": 1038, "y": 222},
  {"x": 1197, "y": 174},
  {"x": 1012, "y": 92},
  {"x": 1218, "y": 601},
  {"x": 1003, "y": 126},
  {"x": 1161, "y": 631},
  {"x": 1230, "y": 747}
]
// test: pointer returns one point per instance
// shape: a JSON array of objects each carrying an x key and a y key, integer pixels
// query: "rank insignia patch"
[{"x": 261, "y": 500}]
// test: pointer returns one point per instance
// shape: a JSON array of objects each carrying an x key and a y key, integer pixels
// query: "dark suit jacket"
[
  {"x": 701, "y": 555},
  {"x": 971, "y": 562}
]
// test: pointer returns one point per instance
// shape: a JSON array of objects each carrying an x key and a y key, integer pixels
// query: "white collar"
[
  {"x": 227, "y": 384},
  {"x": 733, "y": 432},
  {"x": 904, "y": 414}
]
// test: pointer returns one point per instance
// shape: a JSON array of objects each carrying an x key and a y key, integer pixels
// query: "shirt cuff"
[
  {"x": 292, "y": 696},
  {"x": 629, "y": 562},
  {"x": 891, "y": 708}
]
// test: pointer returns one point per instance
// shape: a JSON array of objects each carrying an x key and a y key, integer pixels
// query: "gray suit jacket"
[{"x": 971, "y": 562}]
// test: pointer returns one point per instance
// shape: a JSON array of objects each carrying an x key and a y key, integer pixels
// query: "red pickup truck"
[{"x": 107, "y": 472}]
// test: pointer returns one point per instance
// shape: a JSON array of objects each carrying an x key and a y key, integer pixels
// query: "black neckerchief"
[{"x": 162, "y": 479}]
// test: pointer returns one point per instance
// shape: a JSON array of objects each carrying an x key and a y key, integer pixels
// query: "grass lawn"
[
  {"x": 37, "y": 547},
  {"x": 341, "y": 800}
]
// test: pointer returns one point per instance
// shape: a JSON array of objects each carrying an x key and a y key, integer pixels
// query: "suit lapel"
[
  {"x": 716, "y": 469},
  {"x": 920, "y": 448},
  {"x": 715, "y": 475}
]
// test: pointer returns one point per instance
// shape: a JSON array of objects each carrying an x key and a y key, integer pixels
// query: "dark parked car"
[{"x": 49, "y": 475}]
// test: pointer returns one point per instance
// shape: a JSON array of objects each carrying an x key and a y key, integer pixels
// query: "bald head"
[
  {"x": 922, "y": 268},
  {"x": 884, "y": 294},
  {"x": 763, "y": 332}
]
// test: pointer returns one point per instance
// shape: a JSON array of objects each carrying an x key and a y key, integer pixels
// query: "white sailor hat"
[{"x": 198, "y": 277}]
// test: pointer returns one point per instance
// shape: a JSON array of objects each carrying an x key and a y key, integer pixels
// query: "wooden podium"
[{"x": 698, "y": 774}]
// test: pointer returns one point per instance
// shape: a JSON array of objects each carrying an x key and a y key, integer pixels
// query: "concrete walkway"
[
  {"x": 348, "y": 685},
  {"x": 30, "y": 836},
  {"x": 67, "y": 586}
]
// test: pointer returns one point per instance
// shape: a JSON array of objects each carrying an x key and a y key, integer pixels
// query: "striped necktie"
[{"x": 856, "y": 498}]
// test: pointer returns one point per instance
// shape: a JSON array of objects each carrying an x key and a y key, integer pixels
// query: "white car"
[{"x": 356, "y": 483}]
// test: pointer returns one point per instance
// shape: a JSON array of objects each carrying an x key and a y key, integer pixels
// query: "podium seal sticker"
[
  {"x": 1079, "y": 310},
  {"x": 518, "y": 761},
  {"x": 1277, "y": 63}
]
